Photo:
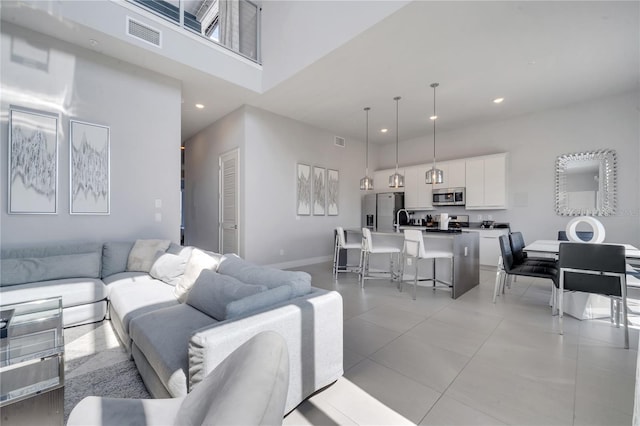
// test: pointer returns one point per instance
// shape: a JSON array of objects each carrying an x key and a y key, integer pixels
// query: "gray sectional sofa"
[{"x": 180, "y": 319}]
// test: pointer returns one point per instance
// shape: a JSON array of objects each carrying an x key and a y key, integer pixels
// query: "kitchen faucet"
[{"x": 397, "y": 224}]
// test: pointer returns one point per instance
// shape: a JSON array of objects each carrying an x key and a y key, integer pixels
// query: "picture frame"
[
  {"x": 333, "y": 186},
  {"x": 319, "y": 191},
  {"x": 89, "y": 168},
  {"x": 33, "y": 161},
  {"x": 303, "y": 189}
]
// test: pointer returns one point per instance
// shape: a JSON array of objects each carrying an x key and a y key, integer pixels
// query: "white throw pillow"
[
  {"x": 143, "y": 254},
  {"x": 169, "y": 267},
  {"x": 198, "y": 261}
]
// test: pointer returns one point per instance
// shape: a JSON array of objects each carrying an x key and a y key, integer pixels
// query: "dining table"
[{"x": 585, "y": 305}]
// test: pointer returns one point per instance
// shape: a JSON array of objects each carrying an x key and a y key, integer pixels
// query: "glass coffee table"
[{"x": 32, "y": 363}]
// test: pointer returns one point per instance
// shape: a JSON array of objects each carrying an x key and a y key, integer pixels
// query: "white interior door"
[{"x": 229, "y": 202}]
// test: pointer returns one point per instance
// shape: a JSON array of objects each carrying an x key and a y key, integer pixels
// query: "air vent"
[
  {"x": 339, "y": 142},
  {"x": 144, "y": 32}
]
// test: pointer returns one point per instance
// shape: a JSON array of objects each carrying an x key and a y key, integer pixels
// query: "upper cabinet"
[
  {"x": 417, "y": 193},
  {"x": 454, "y": 174},
  {"x": 486, "y": 182}
]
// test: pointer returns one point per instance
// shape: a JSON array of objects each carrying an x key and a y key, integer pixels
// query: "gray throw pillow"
[
  {"x": 169, "y": 267},
  {"x": 259, "y": 301},
  {"x": 250, "y": 273},
  {"x": 212, "y": 292}
]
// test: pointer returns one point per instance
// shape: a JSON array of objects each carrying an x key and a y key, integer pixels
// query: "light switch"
[
  {"x": 158, "y": 203},
  {"x": 158, "y": 217}
]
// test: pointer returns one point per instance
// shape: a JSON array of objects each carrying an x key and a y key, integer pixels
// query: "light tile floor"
[{"x": 439, "y": 361}]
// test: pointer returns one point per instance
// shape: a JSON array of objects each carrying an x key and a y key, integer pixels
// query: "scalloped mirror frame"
[{"x": 608, "y": 177}]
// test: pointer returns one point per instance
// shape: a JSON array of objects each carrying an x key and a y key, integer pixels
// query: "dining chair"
[
  {"x": 508, "y": 268},
  {"x": 519, "y": 255},
  {"x": 594, "y": 268},
  {"x": 369, "y": 248},
  {"x": 341, "y": 243},
  {"x": 583, "y": 235},
  {"x": 414, "y": 249}
]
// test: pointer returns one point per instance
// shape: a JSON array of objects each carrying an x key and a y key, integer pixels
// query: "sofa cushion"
[
  {"x": 132, "y": 295},
  {"x": 168, "y": 267},
  {"x": 163, "y": 337},
  {"x": 143, "y": 253},
  {"x": 115, "y": 255},
  {"x": 212, "y": 292},
  {"x": 198, "y": 261},
  {"x": 251, "y": 273},
  {"x": 74, "y": 291},
  {"x": 35, "y": 269},
  {"x": 258, "y": 301}
]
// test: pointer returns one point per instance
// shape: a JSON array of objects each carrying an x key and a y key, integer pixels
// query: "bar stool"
[
  {"x": 368, "y": 248},
  {"x": 414, "y": 249},
  {"x": 341, "y": 243}
]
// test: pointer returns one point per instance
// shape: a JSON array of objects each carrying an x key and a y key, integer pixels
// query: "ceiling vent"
[
  {"x": 339, "y": 142},
  {"x": 144, "y": 32}
]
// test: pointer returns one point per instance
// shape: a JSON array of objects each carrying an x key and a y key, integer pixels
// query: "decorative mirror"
[{"x": 586, "y": 183}]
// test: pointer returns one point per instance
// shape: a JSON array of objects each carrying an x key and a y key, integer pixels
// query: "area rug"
[{"x": 97, "y": 364}]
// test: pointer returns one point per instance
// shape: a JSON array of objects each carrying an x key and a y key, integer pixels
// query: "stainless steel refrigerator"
[{"x": 379, "y": 210}]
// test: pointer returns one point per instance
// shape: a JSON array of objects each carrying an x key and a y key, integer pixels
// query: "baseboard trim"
[{"x": 301, "y": 262}]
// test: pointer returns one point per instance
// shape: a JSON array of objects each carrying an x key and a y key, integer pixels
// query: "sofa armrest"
[{"x": 312, "y": 327}]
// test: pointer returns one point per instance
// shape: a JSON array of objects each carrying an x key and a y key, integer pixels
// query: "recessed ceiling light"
[
  {"x": 199, "y": 106},
  {"x": 498, "y": 100},
  {"x": 433, "y": 117},
  {"x": 384, "y": 130}
]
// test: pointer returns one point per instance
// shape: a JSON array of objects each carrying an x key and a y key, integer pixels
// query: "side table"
[{"x": 32, "y": 363}]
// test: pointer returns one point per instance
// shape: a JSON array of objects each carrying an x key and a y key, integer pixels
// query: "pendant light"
[
  {"x": 366, "y": 183},
  {"x": 396, "y": 180},
  {"x": 434, "y": 175}
]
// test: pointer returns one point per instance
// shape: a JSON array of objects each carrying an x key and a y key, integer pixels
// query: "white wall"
[
  {"x": 319, "y": 28},
  {"x": 533, "y": 143},
  {"x": 270, "y": 147},
  {"x": 142, "y": 110}
]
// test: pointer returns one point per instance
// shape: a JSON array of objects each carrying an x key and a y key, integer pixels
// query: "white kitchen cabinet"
[
  {"x": 454, "y": 174},
  {"x": 486, "y": 182},
  {"x": 417, "y": 194},
  {"x": 489, "y": 245},
  {"x": 381, "y": 180}
]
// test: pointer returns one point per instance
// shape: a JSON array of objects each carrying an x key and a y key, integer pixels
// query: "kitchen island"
[{"x": 463, "y": 245}]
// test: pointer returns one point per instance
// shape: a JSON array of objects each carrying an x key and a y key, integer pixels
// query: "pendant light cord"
[
  {"x": 366, "y": 172},
  {"x": 434, "y": 85},
  {"x": 397, "y": 98}
]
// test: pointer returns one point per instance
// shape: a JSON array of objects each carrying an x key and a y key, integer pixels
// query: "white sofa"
[{"x": 175, "y": 345}]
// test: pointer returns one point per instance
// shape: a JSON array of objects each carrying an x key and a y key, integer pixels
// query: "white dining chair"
[
  {"x": 415, "y": 250},
  {"x": 341, "y": 243},
  {"x": 369, "y": 248}
]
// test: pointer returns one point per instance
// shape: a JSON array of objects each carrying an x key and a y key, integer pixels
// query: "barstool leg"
[
  {"x": 335, "y": 258},
  {"x": 415, "y": 279},
  {"x": 434, "y": 274}
]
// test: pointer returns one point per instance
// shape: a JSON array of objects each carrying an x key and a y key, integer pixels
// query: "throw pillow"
[
  {"x": 169, "y": 267},
  {"x": 250, "y": 273},
  {"x": 143, "y": 253},
  {"x": 198, "y": 261},
  {"x": 212, "y": 292}
]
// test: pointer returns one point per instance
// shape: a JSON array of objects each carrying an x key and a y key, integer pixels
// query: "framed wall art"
[
  {"x": 89, "y": 168},
  {"x": 33, "y": 161},
  {"x": 303, "y": 189},
  {"x": 333, "y": 180},
  {"x": 319, "y": 191}
]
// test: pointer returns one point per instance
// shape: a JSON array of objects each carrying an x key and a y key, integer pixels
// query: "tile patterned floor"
[{"x": 439, "y": 361}]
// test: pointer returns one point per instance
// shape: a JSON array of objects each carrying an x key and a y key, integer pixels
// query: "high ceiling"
[{"x": 536, "y": 55}]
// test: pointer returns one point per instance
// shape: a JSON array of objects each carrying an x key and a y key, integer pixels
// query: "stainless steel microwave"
[{"x": 449, "y": 197}]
